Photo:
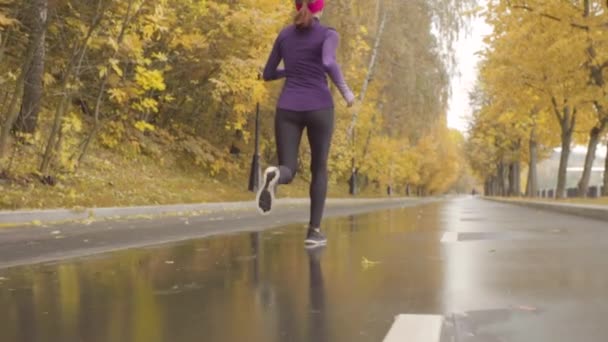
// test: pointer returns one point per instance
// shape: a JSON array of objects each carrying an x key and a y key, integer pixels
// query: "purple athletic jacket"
[{"x": 308, "y": 55}]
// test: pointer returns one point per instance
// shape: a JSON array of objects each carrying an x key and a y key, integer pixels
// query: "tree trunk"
[
  {"x": 490, "y": 187},
  {"x": 532, "y": 183},
  {"x": 4, "y": 39},
  {"x": 11, "y": 113},
  {"x": 51, "y": 143},
  {"x": 503, "y": 173},
  {"x": 518, "y": 191},
  {"x": 498, "y": 180},
  {"x": 370, "y": 72},
  {"x": 3, "y": 102},
  {"x": 514, "y": 179},
  {"x": 32, "y": 92},
  {"x": 496, "y": 187},
  {"x": 605, "y": 191},
  {"x": 351, "y": 132},
  {"x": 96, "y": 125},
  {"x": 486, "y": 187},
  {"x": 594, "y": 139},
  {"x": 370, "y": 132},
  {"x": 562, "y": 173},
  {"x": 567, "y": 121},
  {"x": 72, "y": 67},
  {"x": 102, "y": 88},
  {"x": 56, "y": 136},
  {"x": 11, "y": 116},
  {"x": 511, "y": 179}
]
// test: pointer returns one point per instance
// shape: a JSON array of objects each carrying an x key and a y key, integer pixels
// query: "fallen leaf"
[
  {"x": 527, "y": 308},
  {"x": 366, "y": 263},
  {"x": 169, "y": 262}
]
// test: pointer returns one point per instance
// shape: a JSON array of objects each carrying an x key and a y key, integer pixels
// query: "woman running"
[{"x": 308, "y": 51}]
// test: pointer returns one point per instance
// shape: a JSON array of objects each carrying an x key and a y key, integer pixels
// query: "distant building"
[{"x": 547, "y": 169}]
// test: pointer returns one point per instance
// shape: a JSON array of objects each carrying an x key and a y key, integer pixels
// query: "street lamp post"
[
  {"x": 352, "y": 182},
  {"x": 255, "y": 173}
]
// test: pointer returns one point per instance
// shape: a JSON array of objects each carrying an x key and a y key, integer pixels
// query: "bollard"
[
  {"x": 571, "y": 192},
  {"x": 593, "y": 192}
]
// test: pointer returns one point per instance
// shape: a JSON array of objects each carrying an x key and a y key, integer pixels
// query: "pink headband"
[{"x": 315, "y": 6}]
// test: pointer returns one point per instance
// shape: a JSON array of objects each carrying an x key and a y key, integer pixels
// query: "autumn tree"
[
  {"x": 176, "y": 81},
  {"x": 533, "y": 69}
]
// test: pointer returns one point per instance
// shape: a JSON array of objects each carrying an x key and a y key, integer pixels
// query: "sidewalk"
[
  {"x": 599, "y": 212},
  {"x": 53, "y": 216}
]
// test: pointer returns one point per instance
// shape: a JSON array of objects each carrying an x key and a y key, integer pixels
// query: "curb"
[
  {"x": 21, "y": 217},
  {"x": 599, "y": 212}
]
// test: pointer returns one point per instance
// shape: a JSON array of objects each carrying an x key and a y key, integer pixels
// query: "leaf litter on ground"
[{"x": 366, "y": 263}]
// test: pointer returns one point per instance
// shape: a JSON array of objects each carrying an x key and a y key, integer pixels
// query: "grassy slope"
[{"x": 108, "y": 179}]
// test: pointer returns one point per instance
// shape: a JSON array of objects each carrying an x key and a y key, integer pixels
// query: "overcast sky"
[{"x": 459, "y": 111}]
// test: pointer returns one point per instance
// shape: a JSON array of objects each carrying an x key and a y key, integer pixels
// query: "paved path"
[
  {"x": 32, "y": 244},
  {"x": 459, "y": 270}
]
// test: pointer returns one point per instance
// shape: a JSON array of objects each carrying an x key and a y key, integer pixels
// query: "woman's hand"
[
  {"x": 350, "y": 103},
  {"x": 350, "y": 99}
]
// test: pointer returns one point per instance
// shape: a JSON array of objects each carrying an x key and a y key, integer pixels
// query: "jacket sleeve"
[
  {"x": 271, "y": 71},
  {"x": 330, "y": 45}
]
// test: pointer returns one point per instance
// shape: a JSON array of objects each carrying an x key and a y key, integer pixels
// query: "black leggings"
[{"x": 319, "y": 125}]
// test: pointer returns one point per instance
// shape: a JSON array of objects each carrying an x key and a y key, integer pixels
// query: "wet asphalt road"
[
  {"x": 35, "y": 244},
  {"x": 493, "y": 272}
]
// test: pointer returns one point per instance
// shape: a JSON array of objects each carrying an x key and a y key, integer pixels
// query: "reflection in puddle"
[{"x": 261, "y": 286}]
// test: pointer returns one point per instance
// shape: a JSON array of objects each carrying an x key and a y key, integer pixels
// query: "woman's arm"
[
  {"x": 271, "y": 71},
  {"x": 330, "y": 45}
]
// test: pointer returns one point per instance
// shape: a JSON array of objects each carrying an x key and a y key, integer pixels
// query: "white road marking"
[
  {"x": 415, "y": 328},
  {"x": 449, "y": 237}
]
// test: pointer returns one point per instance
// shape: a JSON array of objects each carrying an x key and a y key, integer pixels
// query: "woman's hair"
[{"x": 304, "y": 18}]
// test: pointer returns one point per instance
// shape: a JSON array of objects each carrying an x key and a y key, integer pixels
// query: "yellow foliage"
[
  {"x": 536, "y": 72},
  {"x": 118, "y": 95},
  {"x": 441, "y": 157},
  {"x": 72, "y": 122},
  {"x": 6, "y": 21},
  {"x": 149, "y": 79},
  {"x": 143, "y": 126},
  {"x": 188, "y": 69},
  {"x": 112, "y": 134}
]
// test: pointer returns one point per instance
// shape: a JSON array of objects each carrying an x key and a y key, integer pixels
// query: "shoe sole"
[
  {"x": 314, "y": 243},
  {"x": 269, "y": 186}
]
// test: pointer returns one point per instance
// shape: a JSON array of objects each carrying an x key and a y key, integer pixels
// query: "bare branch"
[
  {"x": 551, "y": 16},
  {"x": 556, "y": 109}
]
